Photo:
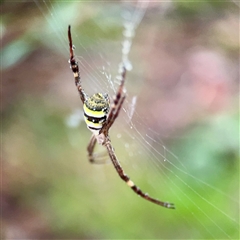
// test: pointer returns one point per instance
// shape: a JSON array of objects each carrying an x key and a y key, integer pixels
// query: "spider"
[{"x": 99, "y": 116}]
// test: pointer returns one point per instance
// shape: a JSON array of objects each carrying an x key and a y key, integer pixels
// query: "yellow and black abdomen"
[{"x": 96, "y": 109}]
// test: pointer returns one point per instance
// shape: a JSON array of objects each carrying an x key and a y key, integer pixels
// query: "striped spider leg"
[
  {"x": 99, "y": 117},
  {"x": 75, "y": 69}
]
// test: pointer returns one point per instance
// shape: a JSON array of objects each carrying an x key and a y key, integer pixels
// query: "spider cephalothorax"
[{"x": 99, "y": 117}]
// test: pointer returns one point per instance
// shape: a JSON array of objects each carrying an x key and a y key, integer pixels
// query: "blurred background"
[{"x": 177, "y": 136}]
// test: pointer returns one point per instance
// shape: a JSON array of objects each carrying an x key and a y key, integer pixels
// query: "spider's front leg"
[
  {"x": 97, "y": 158},
  {"x": 90, "y": 148},
  {"x": 129, "y": 182}
]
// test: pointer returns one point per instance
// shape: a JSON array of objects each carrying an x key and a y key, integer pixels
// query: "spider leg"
[
  {"x": 111, "y": 120},
  {"x": 101, "y": 158},
  {"x": 90, "y": 148},
  {"x": 75, "y": 68},
  {"x": 129, "y": 182},
  {"x": 116, "y": 105}
]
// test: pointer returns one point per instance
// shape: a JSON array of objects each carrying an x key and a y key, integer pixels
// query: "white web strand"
[
  {"x": 129, "y": 32},
  {"x": 102, "y": 79},
  {"x": 131, "y": 22},
  {"x": 155, "y": 156}
]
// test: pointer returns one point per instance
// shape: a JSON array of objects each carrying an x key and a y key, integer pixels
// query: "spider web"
[{"x": 139, "y": 145}]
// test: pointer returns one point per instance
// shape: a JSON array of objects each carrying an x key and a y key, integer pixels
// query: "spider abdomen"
[{"x": 96, "y": 109}]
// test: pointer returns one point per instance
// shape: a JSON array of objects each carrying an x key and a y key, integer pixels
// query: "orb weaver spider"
[{"x": 100, "y": 116}]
